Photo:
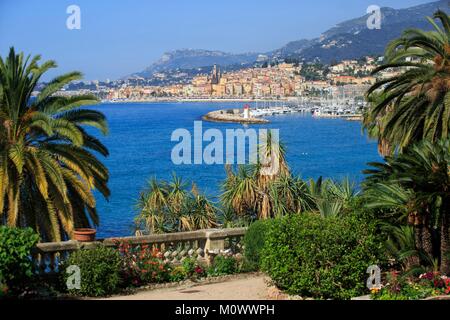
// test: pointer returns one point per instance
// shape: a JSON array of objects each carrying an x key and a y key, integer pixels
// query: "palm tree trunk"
[
  {"x": 445, "y": 245},
  {"x": 13, "y": 206},
  {"x": 418, "y": 237},
  {"x": 427, "y": 241}
]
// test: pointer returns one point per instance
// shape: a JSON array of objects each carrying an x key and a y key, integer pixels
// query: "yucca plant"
[
  {"x": 48, "y": 168},
  {"x": 227, "y": 218},
  {"x": 290, "y": 195},
  {"x": 240, "y": 190},
  {"x": 331, "y": 198},
  {"x": 198, "y": 212},
  {"x": 168, "y": 206}
]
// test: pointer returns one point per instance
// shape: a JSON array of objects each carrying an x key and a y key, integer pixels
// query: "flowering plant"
[
  {"x": 437, "y": 280},
  {"x": 401, "y": 287},
  {"x": 3, "y": 289},
  {"x": 193, "y": 268},
  {"x": 199, "y": 271},
  {"x": 142, "y": 264}
]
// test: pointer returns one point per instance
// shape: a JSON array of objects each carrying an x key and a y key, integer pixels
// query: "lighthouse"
[{"x": 246, "y": 111}]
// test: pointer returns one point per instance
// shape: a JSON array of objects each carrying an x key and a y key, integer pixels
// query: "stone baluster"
[{"x": 201, "y": 245}]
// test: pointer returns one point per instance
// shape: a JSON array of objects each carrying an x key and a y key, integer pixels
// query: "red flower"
[{"x": 198, "y": 270}]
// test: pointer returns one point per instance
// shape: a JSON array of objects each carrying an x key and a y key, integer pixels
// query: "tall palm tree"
[
  {"x": 253, "y": 190},
  {"x": 48, "y": 170},
  {"x": 416, "y": 101},
  {"x": 374, "y": 124}
]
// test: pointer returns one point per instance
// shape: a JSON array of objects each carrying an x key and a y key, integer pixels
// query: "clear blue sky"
[{"x": 118, "y": 37}]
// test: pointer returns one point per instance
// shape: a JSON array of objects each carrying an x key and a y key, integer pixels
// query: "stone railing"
[{"x": 202, "y": 245}]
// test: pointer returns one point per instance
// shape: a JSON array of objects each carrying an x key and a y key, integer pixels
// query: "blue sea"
[{"x": 140, "y": 147}]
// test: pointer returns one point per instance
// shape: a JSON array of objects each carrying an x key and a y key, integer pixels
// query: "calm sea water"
[{"x": 140, "y": 148}]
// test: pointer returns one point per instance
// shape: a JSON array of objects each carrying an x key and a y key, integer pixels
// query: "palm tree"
[
  {"x": 290, "y": 195},
  {"x": 331, "y": 198},
  {"x": 416, "y": 101},
  {"x": 198, "y": 212},
  {"x": 48, "y": 170},
  {"x": 254, "y": 191},
  {"x": 401, "y": 245},
  {"x": 167, "y": 206},
  {"x": 271, "y": 166},
  {"x": 240, "y": 190},
  {"x": 416, "y": 185},
  {"x": 152, "y": 204},
  {"x": 374, "y": 125}
]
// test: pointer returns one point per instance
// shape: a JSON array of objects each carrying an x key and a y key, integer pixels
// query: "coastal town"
[
  {"x": 348, "y": 79},
  {"x": 325, "y": 90}
]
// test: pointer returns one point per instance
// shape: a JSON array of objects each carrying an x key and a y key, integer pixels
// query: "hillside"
[{"x": 347, "y": 40}]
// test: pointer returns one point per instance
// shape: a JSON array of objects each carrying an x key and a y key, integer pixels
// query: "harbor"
[{"x": 348, "y": 110}]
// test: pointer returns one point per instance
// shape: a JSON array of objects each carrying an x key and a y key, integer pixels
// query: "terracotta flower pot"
[{"x": 84, "y": 234}]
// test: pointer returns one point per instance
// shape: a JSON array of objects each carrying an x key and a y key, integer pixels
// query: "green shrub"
[
  {"x": 254, "y": 242},
  {"x": 189, "y": 265},
  {"x": 99, "y": 268},
  {"x": 16, "y": 267},
  {"x": 178, "y": 274},
  {"x": 222, "y": 266},
  {"x": 319, "y": 257}
]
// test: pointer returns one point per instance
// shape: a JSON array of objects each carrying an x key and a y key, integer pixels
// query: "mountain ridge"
[{"x": 349, "y": 39}]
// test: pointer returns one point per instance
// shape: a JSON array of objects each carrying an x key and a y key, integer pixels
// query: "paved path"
[{"x": 253, "y": 287}]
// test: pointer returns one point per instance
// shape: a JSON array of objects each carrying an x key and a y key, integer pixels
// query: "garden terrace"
[{"x": 202, "y": 245}]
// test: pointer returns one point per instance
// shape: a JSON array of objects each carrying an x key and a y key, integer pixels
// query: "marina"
[{"x": 345, "y": 109}]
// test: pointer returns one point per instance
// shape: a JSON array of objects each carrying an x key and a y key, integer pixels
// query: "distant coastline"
[{"x": 191, "y": 100}]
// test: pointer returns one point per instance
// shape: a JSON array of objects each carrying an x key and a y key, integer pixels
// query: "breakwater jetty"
[{"x": 232, "y": 116}]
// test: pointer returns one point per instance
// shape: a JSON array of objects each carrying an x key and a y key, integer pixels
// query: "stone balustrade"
[{"x": 202, "y": 245}]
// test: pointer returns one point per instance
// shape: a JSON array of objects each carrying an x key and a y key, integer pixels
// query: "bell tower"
[{"x": 215, "y": 75}]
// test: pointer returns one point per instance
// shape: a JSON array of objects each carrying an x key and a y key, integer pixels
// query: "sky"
[{"x": 119, "y": 37}]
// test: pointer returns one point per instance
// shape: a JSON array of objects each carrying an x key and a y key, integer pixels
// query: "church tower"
[{"x": 215, "y": 75}]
